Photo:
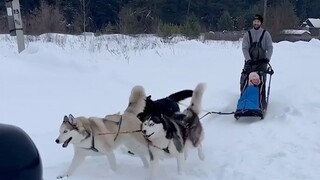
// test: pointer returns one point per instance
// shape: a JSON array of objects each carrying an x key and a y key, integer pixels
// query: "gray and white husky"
[
  {"x": 100, "y": 136},
  {"x": 172, "y": 136}
]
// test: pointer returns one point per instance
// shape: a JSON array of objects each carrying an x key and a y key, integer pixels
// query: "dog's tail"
[
  {"x": 181, "y": 95},
  {"x": 136, "y": 100},
  {"x": 196, "y": 100}
]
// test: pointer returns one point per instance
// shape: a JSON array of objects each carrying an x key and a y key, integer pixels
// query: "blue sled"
[{"x": 249, "y": 103}]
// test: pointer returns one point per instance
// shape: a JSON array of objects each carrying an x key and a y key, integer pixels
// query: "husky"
[
  {"x": 100, "y": 136},
  {"x": 170, "y": 137},
  {"x": 168, "y": 105}
]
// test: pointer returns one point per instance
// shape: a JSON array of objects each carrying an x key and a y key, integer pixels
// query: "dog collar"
[{"x": 166, "y": 149}]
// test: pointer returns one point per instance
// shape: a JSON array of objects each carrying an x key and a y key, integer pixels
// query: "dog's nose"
[
  {"x": 144, "y": 131},
  {"x": 57, "y": 141}
]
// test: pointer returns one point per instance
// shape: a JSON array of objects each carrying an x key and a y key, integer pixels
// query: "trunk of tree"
[
  {"x": 265, "y": 11},
  {"x": 84, "y": 18},
  {"x": 188, "y": 11}
]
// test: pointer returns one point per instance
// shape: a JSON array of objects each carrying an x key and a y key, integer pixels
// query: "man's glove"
[
  {"x": 249, "y": 62},
  {"x": 266, "y": 60},
  {"x": 247, "y": 66}
]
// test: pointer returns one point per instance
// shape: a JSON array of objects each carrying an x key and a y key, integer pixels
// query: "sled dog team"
[{"x": 151, "y": 129}]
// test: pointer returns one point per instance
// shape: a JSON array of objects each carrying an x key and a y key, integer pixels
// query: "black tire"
[{"x": 19, "y": 157}]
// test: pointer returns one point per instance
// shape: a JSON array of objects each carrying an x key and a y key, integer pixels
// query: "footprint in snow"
[
  {"x": 275, "y": 156},
  {"x": 283, "y": 112}
]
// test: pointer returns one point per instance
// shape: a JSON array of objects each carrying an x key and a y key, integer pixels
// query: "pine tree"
[
  {"x": 301, "y": 7},
  {"x": 313, "y": 9},
  {"x": 28, "y": 6},
  {"x": 70, "y": 9},
  {"x": 146, "y": 15},
  {"x": 102, "y": 12},
  {"x": 192, "y": 27},
  {"x": 225, "y": 22}
]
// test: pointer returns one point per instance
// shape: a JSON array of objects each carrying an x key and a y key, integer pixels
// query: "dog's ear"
[
  {"x": 139, "y": 116},
  {"x": 148, "y": 97},
  {"x": 165, "y": 120},
  {"x": 71, "y": 119},
  {"x": 65, "y": 119}
]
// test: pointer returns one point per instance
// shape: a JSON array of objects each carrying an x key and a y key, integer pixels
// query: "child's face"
[{"x": 255, "y": 81}]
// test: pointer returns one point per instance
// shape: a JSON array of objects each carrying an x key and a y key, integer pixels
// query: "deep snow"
[{"x": 94, "y": 78}]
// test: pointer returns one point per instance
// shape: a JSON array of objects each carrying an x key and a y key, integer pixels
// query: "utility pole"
[{"x": 15, "y": 22}]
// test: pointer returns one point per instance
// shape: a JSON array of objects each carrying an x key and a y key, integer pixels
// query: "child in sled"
[{"x": 254, "y": 79}]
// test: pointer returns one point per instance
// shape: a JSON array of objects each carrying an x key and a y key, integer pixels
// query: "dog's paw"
[
  {"x": 201, "y": 153},
  {"x": 146, "y": 165},
  {"x": 185, "y": 156},
  {"x": 114, "y": 168},
  {"x": 151, "y": 177},
  {"x": 63, "y": 176},
  {"x": 201, "y": 156}
]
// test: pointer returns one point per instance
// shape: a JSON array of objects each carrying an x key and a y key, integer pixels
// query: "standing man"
[{"x": 257, "y": 49}]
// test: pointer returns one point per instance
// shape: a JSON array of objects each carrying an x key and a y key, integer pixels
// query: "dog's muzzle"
[
  {"x": 66, "y": 143},
  {"x": 147, "y": 136}
]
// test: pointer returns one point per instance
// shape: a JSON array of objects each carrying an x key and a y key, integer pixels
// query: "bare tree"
[
  {"x": 283, "y": 16},
  {"x": 46, "y": 19},
  {"x": 189, "y": 3},
  {"x": 84, "y": 6},
  {"x": 265, "y": 11},
  {"x": 4, "y": 29}
]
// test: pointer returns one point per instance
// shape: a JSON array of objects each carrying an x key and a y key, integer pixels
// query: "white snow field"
[{"x": 57, "y": 75}]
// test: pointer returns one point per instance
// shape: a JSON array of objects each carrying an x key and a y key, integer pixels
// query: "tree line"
[{"x": 162, "y": 17}]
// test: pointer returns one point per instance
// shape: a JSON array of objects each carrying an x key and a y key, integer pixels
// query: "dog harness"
[
  {"x": 93, "y": 148},
  {"x": 166, "y": 150},
  {"x": 117, "y": 134},
  {"x": 119, "y": 124},
  {"x": 92, "y": 145}
]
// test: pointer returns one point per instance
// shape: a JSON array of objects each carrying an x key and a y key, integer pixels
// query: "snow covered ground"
[{"x": 94, "y": 78}]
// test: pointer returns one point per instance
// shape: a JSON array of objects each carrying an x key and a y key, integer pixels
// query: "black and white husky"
[
  {"x": 168, "y": 106},
  {"x": 172, "y": 136}
]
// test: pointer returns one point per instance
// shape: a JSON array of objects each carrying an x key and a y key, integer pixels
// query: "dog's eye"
[
  {"x": 151, "y": 124},
  {"x": 65, "y": 131}
]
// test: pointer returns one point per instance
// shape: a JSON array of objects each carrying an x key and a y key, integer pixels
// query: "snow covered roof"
[
  {"x": 314, "y": 22},
  {"x": 295, "y": 31}
]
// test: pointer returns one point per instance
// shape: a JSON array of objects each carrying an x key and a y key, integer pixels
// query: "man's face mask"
[{"x": 256, "y": 24}]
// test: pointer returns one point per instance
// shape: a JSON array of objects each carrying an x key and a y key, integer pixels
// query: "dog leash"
[
  {"x": 219, "y": 113},
  {"x": 112, "y": 133},
  {"x": 211, "y": 112}
]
